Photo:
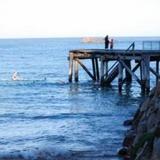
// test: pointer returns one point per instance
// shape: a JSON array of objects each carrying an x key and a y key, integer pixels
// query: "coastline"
[{"x": 142, "y": 140}]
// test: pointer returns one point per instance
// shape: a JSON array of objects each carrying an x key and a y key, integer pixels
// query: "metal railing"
[
  {"x": 131, "y": 47},
  {"x": 151, "y": 45}
]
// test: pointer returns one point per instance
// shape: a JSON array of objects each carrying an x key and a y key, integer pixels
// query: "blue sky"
[{"x": 71, "y": 18}]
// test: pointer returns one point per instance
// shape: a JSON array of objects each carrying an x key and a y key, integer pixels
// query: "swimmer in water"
[{"x": 15, "y": 77}]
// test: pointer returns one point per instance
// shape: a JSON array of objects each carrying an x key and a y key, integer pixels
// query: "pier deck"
[{"x": 121, "y": 65}]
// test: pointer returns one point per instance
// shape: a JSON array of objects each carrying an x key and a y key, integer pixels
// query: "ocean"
[{"x": 43, "y": 117}]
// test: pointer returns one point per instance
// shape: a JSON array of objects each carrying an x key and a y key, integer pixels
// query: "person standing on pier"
[
  {"x": 106, "y": 41},
  {"x": 111, "y": 43}
]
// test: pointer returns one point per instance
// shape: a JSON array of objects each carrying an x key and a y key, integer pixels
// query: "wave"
[
  {"x": 58, "y": 153},
  {"x": 34, "y": 82},
  {"x": 58, "y": 116}
]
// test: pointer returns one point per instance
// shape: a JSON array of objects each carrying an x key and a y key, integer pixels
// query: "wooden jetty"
[{"x": 123, "y": 65}]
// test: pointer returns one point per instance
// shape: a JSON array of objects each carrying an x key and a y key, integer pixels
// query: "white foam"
[{"x": 47, "y": 153}]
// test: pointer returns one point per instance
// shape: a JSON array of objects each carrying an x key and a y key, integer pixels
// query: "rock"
[
  {"x": 156, "y": 149},
  {"x": 141, "y": 129},
  {"x": 157, "y": 132},
  {"x": 138, "y": 118},
  {"x": 157, "y": 90},
  {"x": 145, "y": 104},
  {"x": 128, "y": 141},
  {"x": 144, "y": 152},
  {"x": 152, "y": 92},
  {"x": 151, "y": 122},
  {"x": 157, "y": 104},
  {"x": 123, "y": 152},
  {"x": 128, "y": 122}
]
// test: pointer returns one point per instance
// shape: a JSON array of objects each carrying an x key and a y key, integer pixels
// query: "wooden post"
[
  {"x": 143, "y": 80},
  {"x": 106, "y": 68},
  {"x": 70, "y": 66},
  {"x": 85, "y": 68},
  {"x": 130, "y": 71},
  {"x": 140, "y": 70},
  {"x": 147, "y": 61},
  {"x": 102, "y": 70},
  {"x": 76, "y": 71},
  {"x": 94, "y": 69},
  {"x": 145, "y": 67},
  {"x": 97, "y": 69},
  {"x": 157, "y": 71},
  {"x": 120, "y": 77},
  {"x": 128, "y": 75}
]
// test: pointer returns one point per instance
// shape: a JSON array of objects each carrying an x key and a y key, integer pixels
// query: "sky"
[{"x": 79, "y": 18}]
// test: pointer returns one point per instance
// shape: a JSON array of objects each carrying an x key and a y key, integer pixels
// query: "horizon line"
[{"x": 59, "y": 37}]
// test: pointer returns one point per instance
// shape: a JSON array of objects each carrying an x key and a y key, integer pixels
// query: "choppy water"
[{"x": 45, "y": 117}]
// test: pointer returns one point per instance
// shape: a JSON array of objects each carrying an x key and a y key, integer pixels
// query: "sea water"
[{"x": 42, "y": 116}]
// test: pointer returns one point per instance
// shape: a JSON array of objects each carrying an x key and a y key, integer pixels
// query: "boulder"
[
  {"x": 128, "y": 122},
  {"x": 123, "y": 152},
  {"x": 156, "y": 149}
]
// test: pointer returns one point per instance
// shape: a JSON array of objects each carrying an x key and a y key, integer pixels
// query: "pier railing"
[{"x": 151, "y": 45}]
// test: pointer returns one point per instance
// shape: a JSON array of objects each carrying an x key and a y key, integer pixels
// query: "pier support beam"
[
  {"x": 94, "y": 68},
  {"x": 148, "y": 74},
  {"x": 85, "y": 68},
  {"x": 143, "y": 76},
  {"x": 70, "y": 67},
  {"x": 102, "y": 69},
  {"x": 128, "y": 75},
  {"x": 76, "y": 71},
  {"x": 106, "y": 68},
  {"x": 120, "y": 77},
  {"x": 97, "y": 69},
  {"x": 157, "y": 71},
  {"x": 145, "y": 67},
  {"x": 132, "y": 73}
]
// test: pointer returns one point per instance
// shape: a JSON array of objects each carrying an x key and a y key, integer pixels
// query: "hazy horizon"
[{"x": 60, "y": 37}]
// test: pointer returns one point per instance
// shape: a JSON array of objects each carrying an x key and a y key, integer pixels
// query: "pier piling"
[
  {"x": 70, "y": 67},
  {"x": 76, "y": 71},
  {"x": 120, "y": 77}
]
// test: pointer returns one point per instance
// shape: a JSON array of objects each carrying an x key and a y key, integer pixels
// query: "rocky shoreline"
[{"x": 142, "y": 140}]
